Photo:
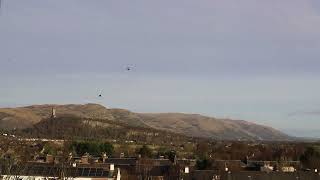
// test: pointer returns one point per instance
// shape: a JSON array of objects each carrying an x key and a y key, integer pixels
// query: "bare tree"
[
  {"x": 11, "y": 168},
  {"x": 144, "y": 167}
]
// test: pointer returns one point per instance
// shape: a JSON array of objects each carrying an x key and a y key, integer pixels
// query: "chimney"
[
  {"x": 70, "y": 156},
  {"x": 186, "y": 170},
  {"x": 175, "y": 159},
  {"x": 85, "y": 159},
  {"x": 104, "y": 157},
  {"x": 49, "y": 159},
  {"x": 111, "y": 168}
]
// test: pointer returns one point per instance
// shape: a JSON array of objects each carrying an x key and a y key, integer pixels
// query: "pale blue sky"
[{"x": 250, "y": 59}]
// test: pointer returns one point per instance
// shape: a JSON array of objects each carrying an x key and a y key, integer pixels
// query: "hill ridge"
[{"x": 193, "y": 125}]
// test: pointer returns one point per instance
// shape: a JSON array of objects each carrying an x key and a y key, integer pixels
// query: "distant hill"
[
  {"x": 311, "y": 133},
  {"x": 186, "y": 124}
]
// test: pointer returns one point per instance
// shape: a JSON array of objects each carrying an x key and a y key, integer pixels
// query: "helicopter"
[
  {"x": 100, "y": 94},
  {"x": 129, "y": 68}
]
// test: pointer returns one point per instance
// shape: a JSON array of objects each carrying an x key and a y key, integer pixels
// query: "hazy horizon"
[{"x": 251, "y": 60}]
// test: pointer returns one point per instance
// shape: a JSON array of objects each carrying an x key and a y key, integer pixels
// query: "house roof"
[
  {"x": 121, "y": 161},
  {"x": 45, "y": 170}
]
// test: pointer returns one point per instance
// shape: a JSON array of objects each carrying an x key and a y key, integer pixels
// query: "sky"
[{"x": 250, "y": 59}]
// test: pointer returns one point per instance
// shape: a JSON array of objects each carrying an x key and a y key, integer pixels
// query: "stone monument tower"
[{"x": 53, "y": 113}]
